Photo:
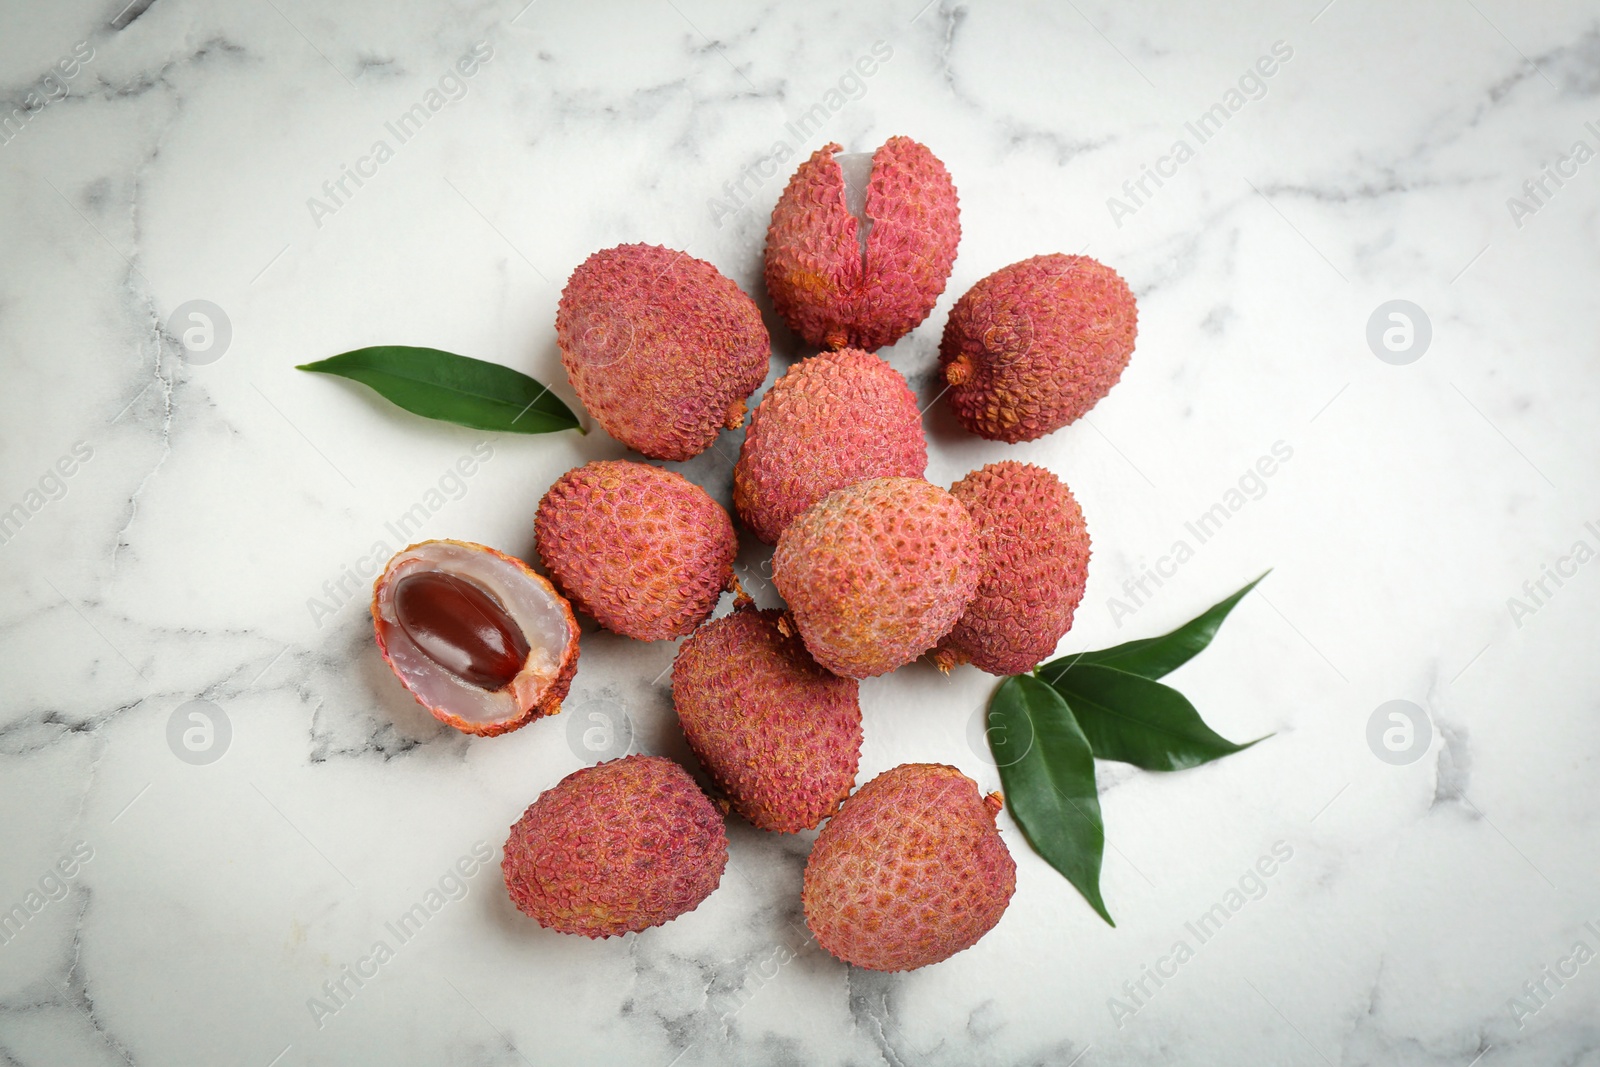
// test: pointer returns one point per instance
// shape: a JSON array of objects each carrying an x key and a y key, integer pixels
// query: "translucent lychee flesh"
[
  {"x": 856, "y": 169},
  {"x": 479, "y": 639}
]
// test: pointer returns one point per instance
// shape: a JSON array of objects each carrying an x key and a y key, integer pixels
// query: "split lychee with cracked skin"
[
  {"x": 911, "y": 871},
  {"x": 662, "y": 348},
  {"x": 616, "y": 848},
  {"x": 875, "y": 574},
  {"x": 832, "y": 420},
  {"x": 1036, "y": 551},
  {"x": 779, "y": 735},
  {"x": 476, "y": 636},
  {"x": 1035, "y": 345},
  {"x": 642, "y": 550},
  {"x": 861, "y": 245}
]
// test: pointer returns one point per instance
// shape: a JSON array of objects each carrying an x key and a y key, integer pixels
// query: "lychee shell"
[
  {"x": 615, "y": 848},
  {"x": 1035, "y": 345},
  {"x": 832, "y": 420},
  {"x": 911, "y": 871},
  {"x": 777, "y": 733},
  {"x": 641, "y": 549}
]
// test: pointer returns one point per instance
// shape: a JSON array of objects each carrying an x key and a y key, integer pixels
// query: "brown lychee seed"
[
  {"x": 641, "y": 549},
  {"x": 832, "y": 420},
  {"x": 780, "y": 735},
  {"x": 1035, "y": 345},
  {"x": 875, "y": 574},
  {"x": 911, "y": 871},
  {"x": 1036, "y": 553},
  {"x": 478, "y": 638},
  {"x": 662, "y": 348},
  {"x": 616, "y": 848},
  {"x": 860, "y": 246}
]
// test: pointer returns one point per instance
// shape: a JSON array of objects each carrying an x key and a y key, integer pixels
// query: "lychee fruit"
[
  {"x": 1035, "y": 345},
  {"x": 860, "y": 246},
  {"x": 616, "y": 848},
  {"x": 876, "y": 573},
  {"x": 661, "y": 348},
  {"x": 481, "y": 641},
  {"x": 911, "y": 871},
  {"x": 642, "y": 550},
  {"x": 832, "y": 420},
  {"x": 1036, "y": 552},
  {"x": 777, "y": 733}
]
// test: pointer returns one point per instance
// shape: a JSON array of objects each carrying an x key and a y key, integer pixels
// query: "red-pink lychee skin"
[
  {"x": 911, "y": 871},
  {"x": 831, "y": 294},
  {"x": 1035, "y": 345},
  {"x": 777, "y": 733},
  {"x": 875, "y": 574},
  {"x": 616, "y": 848},
  {"x": 642, "y": 550},
  {"x": 661, "y": 348},
  {"x": 1036, "y": 551},
  {"x": 832, "y": 420}
]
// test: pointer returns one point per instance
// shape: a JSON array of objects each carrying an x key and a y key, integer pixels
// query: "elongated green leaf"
[
  {"x": 1154, "y": 657},
  {"x": 458, "y": 389},
  {"x": 1047, "y": 772},
  {"x": 1137, "y": 720}
]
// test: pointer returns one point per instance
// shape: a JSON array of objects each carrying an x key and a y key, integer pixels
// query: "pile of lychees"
[{"x": 877, "y": 566}]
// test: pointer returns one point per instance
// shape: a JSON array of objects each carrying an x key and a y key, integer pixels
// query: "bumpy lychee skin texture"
[
  {"x": 1034, "y": 345},
  {"x": 910, "y": 872},
  {"x": 642, "y": 550},
  {"x": 780, "y": 735},
  {"x": 616, "y": 848},
  {"x": 835, "y": 290},
  {"x": 661, "y": 348},
  {"x": 876, "y": 573},
  {"x": 832, "y": 420},
  {"x": 1036, "y": 552}
]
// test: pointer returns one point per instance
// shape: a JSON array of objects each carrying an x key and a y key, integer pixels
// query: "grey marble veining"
[{"x": 176, "y": 529}]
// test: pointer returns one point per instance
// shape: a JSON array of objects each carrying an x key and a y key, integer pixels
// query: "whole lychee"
[
  {"x": 661, "y": 348},
  {"x": 1034, "y": 345},
  {"x": 1036, "y": 552},
  {"x": 616, "y": 848},
  {"x": 876, "y": 573},
  {"x": 860, "y": 246},
  {"x": 830, "y": 421},
  {"x": 780, "y": 735},
  {"x": 911, "y": 871},
  {"x": 642, "y": 550}
]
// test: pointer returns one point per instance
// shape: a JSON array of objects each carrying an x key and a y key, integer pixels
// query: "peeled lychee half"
[
  {"x": 1036, "y": 552},
  {"x": 911, "y": 871},
  {"x": 616, "y": 848},
  {"x": 860, "y": 247},
  {"x": 641, "y": 549},
  {"x": 779, "y": 735},
  {"x": 1035, "y": 345},
  {"x": 832, "y": 420},
  {"x": 876, "y": 573},
  {"x": 661, "y": 348},
  {"x": 482, "y": 642}
]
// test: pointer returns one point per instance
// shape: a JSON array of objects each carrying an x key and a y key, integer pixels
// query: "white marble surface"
[{"x": 183, "y": 558}]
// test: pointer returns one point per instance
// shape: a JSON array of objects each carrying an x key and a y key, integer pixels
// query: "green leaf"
[
  {"x": 1047, "y": 772},
  {"x": 1154, "y": 657},
  {"x": 459, "y": 389},
  {"x": 1140, "y": 721}
]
